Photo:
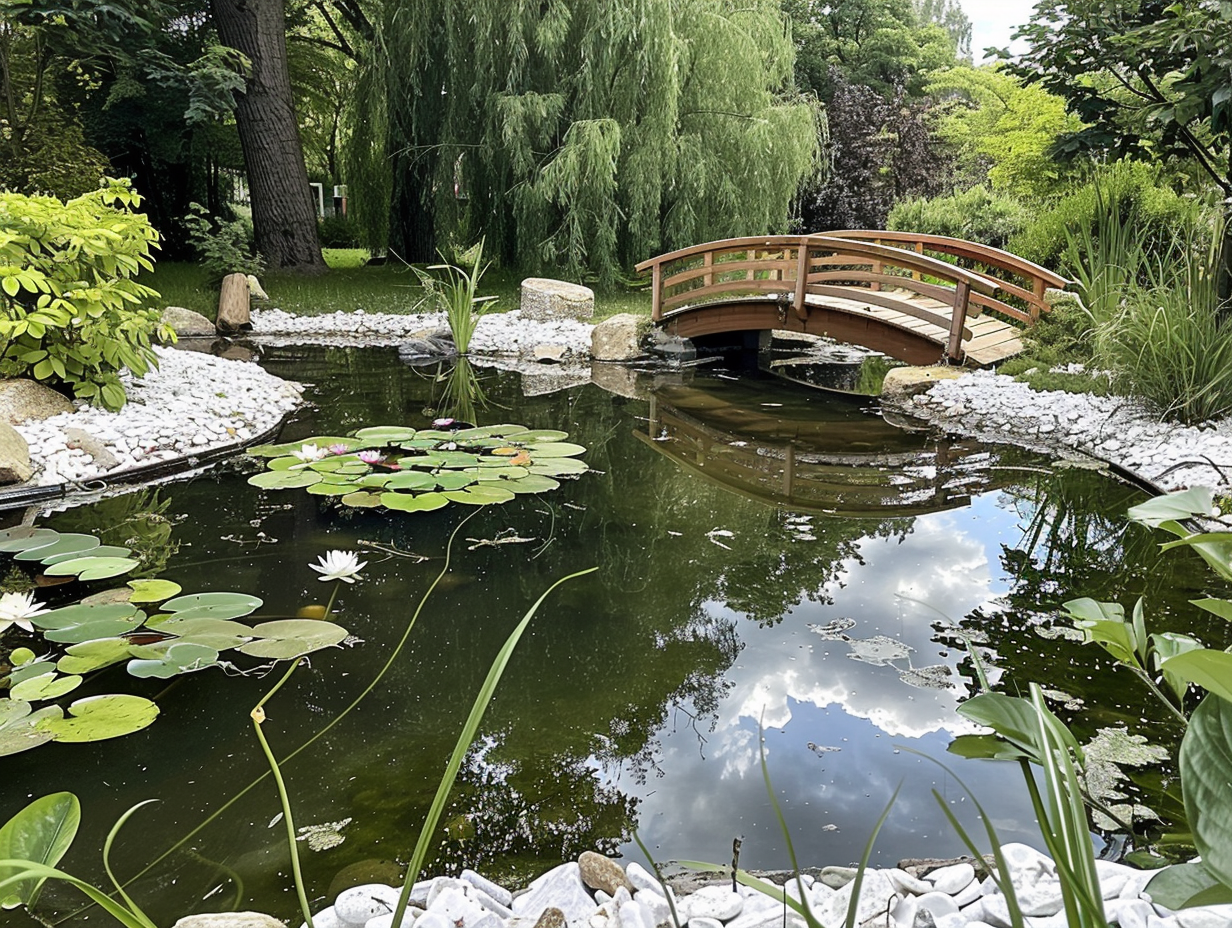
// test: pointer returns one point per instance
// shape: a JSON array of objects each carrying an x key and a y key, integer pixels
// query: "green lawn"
[{"x": 351, "y": 285}]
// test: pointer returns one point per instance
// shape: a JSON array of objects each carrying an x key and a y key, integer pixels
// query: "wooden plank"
[{"x": 709, "y": 272}]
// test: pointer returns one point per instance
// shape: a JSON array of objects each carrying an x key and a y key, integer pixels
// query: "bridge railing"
[
  {"x": 793, "y": 267},
  {"x": 1018, "y": 279}
]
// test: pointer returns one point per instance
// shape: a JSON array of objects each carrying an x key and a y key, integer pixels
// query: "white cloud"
[{"x": 993, "y": 22}]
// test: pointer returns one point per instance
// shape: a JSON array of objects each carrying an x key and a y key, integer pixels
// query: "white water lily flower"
[
  {"x": 17, "y": 609},
  {"x": 339, "y": 565},
  {"x": 309, "y": 453}
]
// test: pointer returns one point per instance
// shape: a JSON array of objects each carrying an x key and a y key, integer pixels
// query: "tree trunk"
[{"x": 283, "y": 217}]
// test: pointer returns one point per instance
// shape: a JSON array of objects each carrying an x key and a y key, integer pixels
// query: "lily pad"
[
  {"x": 97, "y": 718},
  {"x": 20, "y": 728},
  {"x": 454, "y": 480},
  {"x": 219, "y": 598},
  {"x": 557, "y": 467},
  {"x": 331, "y": 489},
  {"x": 66, "y": 544},
  {"x": 373, "y": 480},
  {"x": 284, "y": 479},
  {"x": 24, "y": 538},
  {"x": 542, "y": 435},
  {"x": 531, "y": 483},
  {"x": 405, "y": 502},
  {"x": 492, "y": 431},
  {"x": 362, "y": 500},
  {"x": 558, "y": 449},
  {"x": 481, "y": 494},
  {"x": 49, "y": 685},
  {"x": 100, "y": 551},
  {"x": 180, "y": 657},
  {"x": 93, "y": 655},
  {"x": 491, "y": 474},
  {"x": 73, "y": 624},
  {"x": 411, "y": 480},
  {"x": 386, "y": 434},
  {"x": 93, "y": 568},
  {"x": 152, "y": 591},
  {"x": 291, "y": 638},
  {"x": 220, "y": 634}
]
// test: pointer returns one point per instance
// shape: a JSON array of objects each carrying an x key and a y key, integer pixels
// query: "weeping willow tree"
[{"x": 578, "y": 136}]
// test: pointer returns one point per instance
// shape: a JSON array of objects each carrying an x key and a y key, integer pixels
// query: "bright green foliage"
[
  {"x": 580, "y": 136},
  {"x": 976, "y": 214},
  {"x": 223, "y": 246},
  {"x": 71, "y": 313},
  {"x": 996, "y": 124}
]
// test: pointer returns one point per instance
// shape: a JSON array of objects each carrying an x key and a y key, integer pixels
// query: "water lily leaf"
[
  {"x": 328, "y": 465},
  {"x": 450, "y": 459},
  {"x": 219, "y": 634},
  {"x": 481, "y": 494},
  {"x": 561, "y": 449},
  {"x": 543, "y": 435},
  {"x": 97, "y": 718},
  {"x": 76, "y": 614},
  {"x": 291, "y": 638},
  {"x": 532, "y": 483},
  {"x": 269, "y": 451},
  {"x": 558, "y": 467},
  {"x": 65, "y": 544},
  {"x": 93, "y": 655},
  {"x": 405, "y": 502},
  {"x": 41, "y": 832},
  {"x": 93, "y": 568},
  {"x": 100, "y": 551},
  {"x": 152, "y": 591},
  {"x": 386, "y": 434},
  {"x": 89, "y": 629},
  {"x": 19, "y": 726},
  {"x": 30, "y": 669},
  {"x": 353, "y": 469},
  {"x": 290, "y": 461},
  {"x": 284, "y": 479},
  {"x": 245, "y": 601},
  {"x": 491, "y": 431},
  {"x": 489, "y": 474},
  {"x": 417, "y": 444},
  {"x": 373, "y": 480},
  {"x": 19, "y": 656},
  {"x": 453, "y": 480},
  {"x": 436, "y": 434},
  {"x": 24, "y": 538},
  {"x": 362, "y": 500},
  {"x": 180, "y": 657},
  {"x": 410, "y": 480},
  {"x": 331, "y": 489},
  {"x": 45, "y": 686}
]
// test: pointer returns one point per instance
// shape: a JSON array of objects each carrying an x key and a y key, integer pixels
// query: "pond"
[{"x": 767, "y": 556}]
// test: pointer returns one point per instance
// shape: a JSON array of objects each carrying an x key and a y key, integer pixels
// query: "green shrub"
[
  {"x": 71, "y": 313},
  {"x": 976, "y": 214},
  {"x": 338, "y": 232},
  {"x": 223, "y": 247},
  {"x": 1160, "y": 213}
]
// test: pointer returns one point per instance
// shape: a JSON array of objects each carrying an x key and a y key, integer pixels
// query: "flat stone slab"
[{"x": 544, "y": 299}]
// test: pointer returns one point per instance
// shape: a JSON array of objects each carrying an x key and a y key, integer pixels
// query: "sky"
[{"x": 994, "y": 21}]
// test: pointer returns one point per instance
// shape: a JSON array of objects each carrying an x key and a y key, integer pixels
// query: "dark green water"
[{"x": 635, "y": 699}]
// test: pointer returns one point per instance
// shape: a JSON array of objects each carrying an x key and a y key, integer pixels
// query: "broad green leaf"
[
  {"x": 1173, "y": 507},
  {"x": 1168, "y": 645},
  {"x": 19, "y": 656},
  {"x": 1013, "y": 718},
  {"x": 100, "y": 551},
  {"x": 97, "y": 718},
  {"x": 405, "y": 502},
  {"x": 215, "y": 611},
  {"x": 1209, "y": 669},
  {"x": 558, "y": 467},
  {"x": 492, "y": 431},
  {"x": 19, "y": 727},
  {"x": 180, "y": 657},
  {"x": 542, "y": 435},
  {"x": 1183, "y": 885},
  {"x": 985, "y": 747},
  {"x": 41, "y": 832},
  {"x": 453, "y": 480},
  {"x": 287, "y": 463},
  {"x": 24, "y": 538},
  {"x": 220, "y": 598},
  {"x": 331, "y": 489},
  {"x": 374, "y": 480},
  {"x": 1206, "y": 759},
  {"x": 65, "y": 544},
  {"x": 1213, "y": 547},
  {"x": 411, "y": 480},
  {"x": 291, "y": 638},
  {"x": 386, "y": 434},
  {"x": 1219, "y": 607},
  {"x": 219, "y": 634},
  {"x": 1087, "y": 609},
  {"x": 284, "y": 479},
  {"x": 93, "y": 568},
  {"x": 362, "y": 500},
  {"x": 93, "y": 655},
  {"x": 531, "y": 483},
  {"x": 561, "y": 449},
  {"x": 454, "y": 459},
  {"x": 480, "y": 494},
  {"x": 152, "y": 591},
  {"x": 493, "y": 474},
  {"x": 77, "y": 614},
  {"x": 45, "y": 686}
]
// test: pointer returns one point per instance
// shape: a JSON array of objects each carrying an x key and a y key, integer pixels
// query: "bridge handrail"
[
  {"x": 1038, "y": 276},
  {"x": 965, "y": 281}
]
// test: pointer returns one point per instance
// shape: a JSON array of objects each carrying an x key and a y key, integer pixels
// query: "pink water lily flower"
[
  {"x": 442, "y": 423},
  {"x": 371, "y": 457},
  {"x": 339, "y": 449}
]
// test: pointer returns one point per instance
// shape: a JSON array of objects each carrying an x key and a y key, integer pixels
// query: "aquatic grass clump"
[{"x": 457, "y": 294}]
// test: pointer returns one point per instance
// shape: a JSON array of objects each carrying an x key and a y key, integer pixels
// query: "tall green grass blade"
[
  {"x": 854, "y": 905},
  {"x": 654, "y": 868},
  {"x": 30, "y": 869},
  {"x": 806, "y": 908},
  {"x": 465, "y": 738},
  {"x": 111, "y": 836}
]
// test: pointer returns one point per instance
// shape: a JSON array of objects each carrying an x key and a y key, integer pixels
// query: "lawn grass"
[{"x": 351, "y": 285}]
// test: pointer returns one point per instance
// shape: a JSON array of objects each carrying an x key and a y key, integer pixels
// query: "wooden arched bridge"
[{"x": 899, "y": 293}]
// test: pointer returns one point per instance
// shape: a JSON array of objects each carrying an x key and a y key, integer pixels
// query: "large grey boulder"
[
  {"x": 902, "y": 383},
  {"x": 187, "y": 324},
  {"x": 24, "y": 400},
  {"x": 619, "y": 338},
  {"x": 15, "y": 466},
  {"x": 229, "y": 920},
  {"x": 546, "y": 300}
]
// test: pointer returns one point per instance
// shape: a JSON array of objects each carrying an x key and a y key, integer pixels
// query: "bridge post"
[
  {"x": 962, "y": 294},
  {"x": 802, "y": 263},
  {"x": 656, "y": 289}
]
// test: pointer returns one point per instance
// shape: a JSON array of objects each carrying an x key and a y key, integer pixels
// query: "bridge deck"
[{"x": 852, "y": 286}]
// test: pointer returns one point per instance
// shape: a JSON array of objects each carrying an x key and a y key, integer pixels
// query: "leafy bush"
[
  {"x": 71, "y": 313},
  {"x": 976, "y": 214},
  {"x": 1138, "y": 188},
  {"x": 223, "y": 247},
  {"x": 338, "y": 232}
]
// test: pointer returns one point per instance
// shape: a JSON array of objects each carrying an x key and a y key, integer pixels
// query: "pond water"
[{"x": 767, "y": 555}]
